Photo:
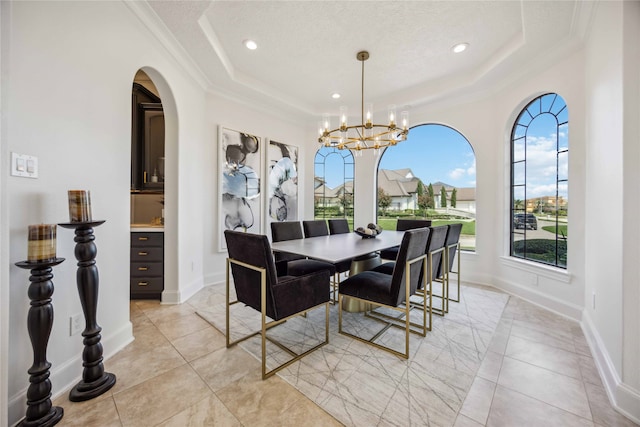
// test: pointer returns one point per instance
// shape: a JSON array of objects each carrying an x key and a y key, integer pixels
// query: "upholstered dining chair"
[
  {"x": 451, "y": 248},
  {"x": 317, "y": 228},
  {"x": 392, "y": 291},
  {"x": 338, "y": 226},
  {"x": 278, "y": 299},
  {"x": 434, "y": 249},
  {"x": 292, "y": 264},
  {"x": 403, "y": 225}
]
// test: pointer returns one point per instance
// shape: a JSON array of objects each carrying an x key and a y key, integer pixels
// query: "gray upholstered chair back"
[
  {"x": 338, "y": 226},
  {"x": 436, "y": 241},
  {"x": 315, "y": 228},
  {"x": 412, "y": 246},
  {"x": 409, "y": 224},
  {"x": 251, "y": 249},
  {"x": 453, "y": 237}
]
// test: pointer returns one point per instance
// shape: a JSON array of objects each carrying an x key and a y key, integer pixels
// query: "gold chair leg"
[{"x": 265, "y": 326}]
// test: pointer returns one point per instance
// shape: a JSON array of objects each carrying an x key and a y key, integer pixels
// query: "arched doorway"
[{"x": 155, "y": 180}]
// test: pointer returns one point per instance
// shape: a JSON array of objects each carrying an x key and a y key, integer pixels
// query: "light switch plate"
[{"x": 24, "y": 165}]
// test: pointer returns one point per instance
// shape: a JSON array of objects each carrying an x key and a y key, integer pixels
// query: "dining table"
[
  {"x": 339, "y": 247},
  {"x": 335, "y": 248}
]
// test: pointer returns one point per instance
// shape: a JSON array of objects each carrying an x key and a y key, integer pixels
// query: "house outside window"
[
  {"x": 431, "y": 175},
  {"x": 539, "y": 182},
  {"x": 333, "y": 184}
]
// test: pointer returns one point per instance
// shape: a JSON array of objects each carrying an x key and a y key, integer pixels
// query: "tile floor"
[{"x": 538, "y": 371}]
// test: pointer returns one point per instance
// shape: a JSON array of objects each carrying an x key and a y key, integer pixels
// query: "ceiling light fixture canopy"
[{"x": 366, "y": 135}]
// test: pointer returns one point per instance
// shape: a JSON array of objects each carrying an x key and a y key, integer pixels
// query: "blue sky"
[{"x": 434, "y": 153}]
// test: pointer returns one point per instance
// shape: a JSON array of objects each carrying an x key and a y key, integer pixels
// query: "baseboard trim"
[
  {"x": 623, "y": 398},
  {"x": 65, "y": 376},
  {"x": 181, "y": 295},
  {"x": 547, "y": 302}
]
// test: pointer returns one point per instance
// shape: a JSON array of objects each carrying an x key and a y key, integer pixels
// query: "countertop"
[{"x": 147, "y": 228}]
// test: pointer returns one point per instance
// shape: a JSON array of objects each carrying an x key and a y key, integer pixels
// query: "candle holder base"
[
  {"x": 52, "y": 418},
  {"x": 86, "y": 391}
]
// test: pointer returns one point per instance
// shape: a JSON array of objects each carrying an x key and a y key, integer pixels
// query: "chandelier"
[{"x": 366, "y": 135}]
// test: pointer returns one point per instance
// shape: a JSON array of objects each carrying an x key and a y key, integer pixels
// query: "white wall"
[
  {"x": 266, "y": 124},
  {"x": 67, "y": 74},
  {"x": 612, "y": 112}
]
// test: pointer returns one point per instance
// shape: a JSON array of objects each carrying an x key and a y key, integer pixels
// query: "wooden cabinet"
[
  {"x": 147, "y": 265},
  {"x": 147, "y": 141}
]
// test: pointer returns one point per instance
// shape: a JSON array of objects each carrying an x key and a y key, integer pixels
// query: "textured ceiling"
[{"x": 307, "y": 49}]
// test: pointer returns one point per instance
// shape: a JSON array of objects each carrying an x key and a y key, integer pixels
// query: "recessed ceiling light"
[
  {"x": 250, "y": 44},
  {"x": 460, "y": 47},
  {"x": 335, "y": 95}
]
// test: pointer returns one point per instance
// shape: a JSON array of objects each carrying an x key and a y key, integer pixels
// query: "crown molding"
[{"x": 159, "y": 30}]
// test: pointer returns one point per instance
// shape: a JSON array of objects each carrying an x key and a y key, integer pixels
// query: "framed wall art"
[
  {"x": 281, "y": 182},
  {"x": 240, "y": 170}
]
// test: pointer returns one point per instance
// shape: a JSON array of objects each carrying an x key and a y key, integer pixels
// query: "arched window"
[
  {"x": 539, "y": 181},
  {"x": 333, "y": 184},
  {"x": 430, "y": 175}
]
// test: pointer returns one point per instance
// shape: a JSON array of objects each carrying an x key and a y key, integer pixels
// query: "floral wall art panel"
[
  {"x": 240, "y": 170},
  {"x": 282, "y": 182}
]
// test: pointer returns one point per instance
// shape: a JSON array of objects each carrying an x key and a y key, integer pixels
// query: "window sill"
[{"x": 549, "y": 272}]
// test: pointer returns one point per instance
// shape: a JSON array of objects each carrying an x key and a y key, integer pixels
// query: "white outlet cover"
[{"x": 23, "y": 165}]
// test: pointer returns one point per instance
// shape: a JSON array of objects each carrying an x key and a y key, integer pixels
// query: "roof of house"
[{"x": 398, "y": 183}]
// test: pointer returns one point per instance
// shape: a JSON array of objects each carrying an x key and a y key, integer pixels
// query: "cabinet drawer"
[
  {"x": 149, "y": 284},
  {"x": 147, "y": 239},
  {"x": 146, "y": 269},
  {"x": 147, "y": 254}
]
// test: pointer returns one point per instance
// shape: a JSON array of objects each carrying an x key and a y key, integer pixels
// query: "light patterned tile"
[
  {"x": 161, "y": 398},
  {"x": 552, "y": 388},
  {"x": 545, "y": 356},
  {"x": 511, "y": 408},
  {"x": 210, "y": 411},
  {"x": 199, "y": 343},
  {"x": 226, "y": 366},
  {"x": 100, "y": 411},
  {"x": 478, "y": 401},
  {"x": 490, "y": 367}
]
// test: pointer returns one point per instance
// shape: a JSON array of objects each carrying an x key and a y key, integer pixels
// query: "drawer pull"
[
  {"x": 143, "y": 253},
  {"x": 143, "y": 283},
  {"x": 143, "y": 238},
  {"x": 142, "y": 268}
]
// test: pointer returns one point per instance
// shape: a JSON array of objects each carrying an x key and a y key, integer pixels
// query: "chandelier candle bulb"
[
  {"x": 369, "y": 115},
  {"x": 344, "y": 113},
  {"x": 404, "y": 116},
  {"x": 392, "y": 116},
  {"x": 79, "y": 206},
  {"x": 42, "y": 243}
]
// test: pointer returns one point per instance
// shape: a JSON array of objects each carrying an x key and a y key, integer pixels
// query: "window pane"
[
  {"x": 333, "y": 195},
  {"x": 518, "y": 149},
  {"x": 518, "y": 173},
  {"x": 563, "y": 136},
  {"x": 432, "y": 154},
  {"x": 563, "y": 166},
  {"x": 539, "y": 183}
]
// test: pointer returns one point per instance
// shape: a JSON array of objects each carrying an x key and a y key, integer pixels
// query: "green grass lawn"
[{"x": 562, "y": 229}]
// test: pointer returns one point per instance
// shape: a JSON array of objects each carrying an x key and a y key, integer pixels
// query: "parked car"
[{"x": 525, "y": 221}]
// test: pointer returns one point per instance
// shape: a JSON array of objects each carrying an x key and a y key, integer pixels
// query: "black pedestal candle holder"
[
  {"x": 95, "y": 381},
  {"x": 40, "y": 412}
]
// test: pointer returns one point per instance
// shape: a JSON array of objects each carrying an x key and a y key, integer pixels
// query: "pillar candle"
[
  {"x": 79, "y": 206},
  {"x": 42, "y": 242}
]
